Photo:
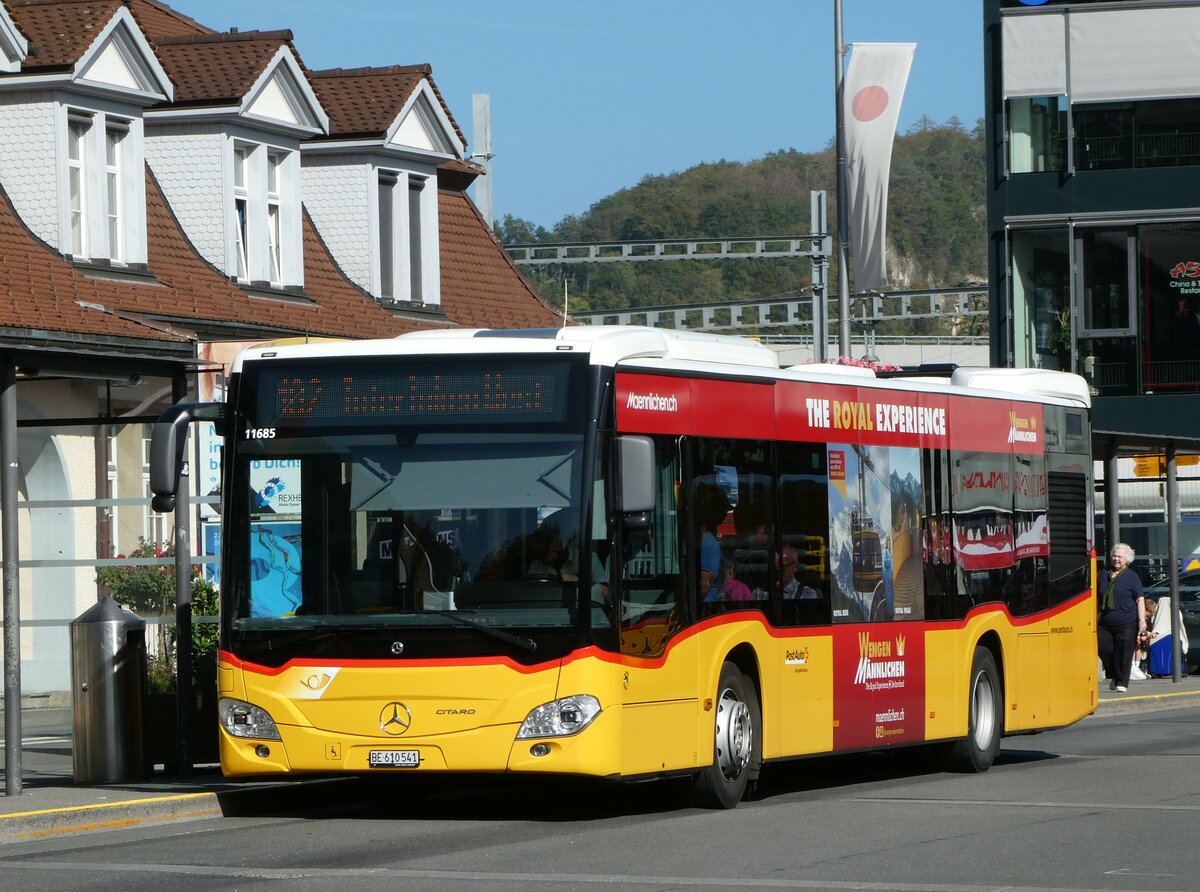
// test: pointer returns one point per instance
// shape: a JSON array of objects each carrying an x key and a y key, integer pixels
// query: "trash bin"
[{"x": 108, "y": 671}]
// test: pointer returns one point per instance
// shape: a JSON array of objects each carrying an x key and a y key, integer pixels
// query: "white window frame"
[
  {"x": 115, "y": 134},
  {"x": 416, "y": 236},
  {"x": 78, "y": 128},
  {"x": 265, "y": 243},
  {"x": 275, "y": 174},
  {"x": 102, "y": 209},
  {"x": 387, "y": 186},
  {"x": 241, "y": 208},
  {"x": 405, "y": 249}
]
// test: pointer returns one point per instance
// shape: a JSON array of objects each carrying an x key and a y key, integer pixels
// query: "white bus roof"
[{"x": 661, "y": 350}]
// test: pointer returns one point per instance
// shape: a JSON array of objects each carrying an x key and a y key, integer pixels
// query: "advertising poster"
[
  {"x": 1171, "y": 267},
  {"x": 275, "y": 582},
  {"x": 908, "y": 582},
  {"x": 860, "y": 523},
  {"x": 210, "y": 540},
  {"x": 982, "y": 498},
  {"x": 879, "y": 685}
]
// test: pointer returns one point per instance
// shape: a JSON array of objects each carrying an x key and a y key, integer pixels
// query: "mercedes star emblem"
[{"x": 394, "y": 719}]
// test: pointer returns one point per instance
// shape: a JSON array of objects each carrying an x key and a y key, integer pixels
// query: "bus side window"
[
  {"x": 650, "y": 566},
  {"x": 937, "y": 547},
  {"x": 730, "y": 524},
  {"x": 803, "y": 583}
]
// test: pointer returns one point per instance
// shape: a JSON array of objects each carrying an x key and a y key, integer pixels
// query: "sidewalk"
[
  {"x": 51, "y": 804},
  {"x": 1150, "y": 695}
]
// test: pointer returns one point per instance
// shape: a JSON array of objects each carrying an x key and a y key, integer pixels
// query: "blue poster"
[{"x": 275, "y": 583}]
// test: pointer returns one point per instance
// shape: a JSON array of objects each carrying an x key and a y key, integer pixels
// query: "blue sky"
[{"x": 590, "y": 97}]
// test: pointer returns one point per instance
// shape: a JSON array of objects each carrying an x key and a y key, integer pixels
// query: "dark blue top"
[{"x": 1125, "y": 594}]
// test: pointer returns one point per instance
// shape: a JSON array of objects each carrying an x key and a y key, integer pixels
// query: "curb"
[
  {"x": 269, "y": 798},
  {"x": 1126, "y": 705},
  {"x": 50, "y": 822},
  {"x": 42, "y": 700}
]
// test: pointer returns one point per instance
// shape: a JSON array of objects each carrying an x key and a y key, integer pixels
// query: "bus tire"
[
  {"x": 985, "y": 717},
  {"x": 737, "y": 747}
]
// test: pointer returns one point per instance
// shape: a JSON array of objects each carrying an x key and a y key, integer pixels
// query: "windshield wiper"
[{"x": 526, "y": 644}]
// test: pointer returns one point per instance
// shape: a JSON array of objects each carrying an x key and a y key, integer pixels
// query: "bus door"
[{"x": 659, "y": 681}]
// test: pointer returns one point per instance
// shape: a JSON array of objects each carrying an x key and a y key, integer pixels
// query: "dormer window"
[
  {"x": 403, "y": 233},
  {"x": 100, "y": 219},
  {"x": 266, "y": 216}
]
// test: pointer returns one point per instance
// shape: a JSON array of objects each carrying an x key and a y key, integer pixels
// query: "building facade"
[
  {"x": 167, "y": 192},
  {"x": 1093, "y": 175}
]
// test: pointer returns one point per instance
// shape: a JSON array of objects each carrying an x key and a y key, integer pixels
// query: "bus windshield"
[{"x": 406, "y": 524}]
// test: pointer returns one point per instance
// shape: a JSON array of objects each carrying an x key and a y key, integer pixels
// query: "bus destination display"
[{"x": 446, "y": 393}]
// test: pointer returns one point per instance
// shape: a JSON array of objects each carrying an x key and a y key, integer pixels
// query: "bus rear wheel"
[
  {"x": 985, "y": 718},
  {"x": 736, "y": 745}
]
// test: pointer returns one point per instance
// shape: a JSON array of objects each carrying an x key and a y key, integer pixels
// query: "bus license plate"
[{"x": 394, "y": 758}]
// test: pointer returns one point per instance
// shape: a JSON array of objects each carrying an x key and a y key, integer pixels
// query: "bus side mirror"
[
  {"x": 635, "y": 457},
  {"x": 167, "y": 443}
]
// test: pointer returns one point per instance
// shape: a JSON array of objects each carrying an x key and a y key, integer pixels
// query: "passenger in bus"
[
  {"x": 794, "y": 574},
  {"x": 1122, "y": 616},
  {"x": 548, "y": 554},
  {"x": 712, "y": 506},
  {"x": 735, "y": 589},
  {"x": 570, "y": 573}
]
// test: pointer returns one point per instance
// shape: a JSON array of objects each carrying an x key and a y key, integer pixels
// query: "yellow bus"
[{"x": 630, "y": 553}]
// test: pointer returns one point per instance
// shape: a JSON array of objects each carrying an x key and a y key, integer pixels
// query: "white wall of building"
[
  {"x": 187, "y": 161},
  {"x": 28, "y": 166},
  {"x": 337, "y": 195}
]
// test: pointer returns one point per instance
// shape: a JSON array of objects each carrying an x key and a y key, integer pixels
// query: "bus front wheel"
[
  {"x": 984, "y": 717},
  {"x": 736, "y": 745}
]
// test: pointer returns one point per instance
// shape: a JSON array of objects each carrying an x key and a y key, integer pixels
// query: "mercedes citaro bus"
[{"x": 479, "y": 551}]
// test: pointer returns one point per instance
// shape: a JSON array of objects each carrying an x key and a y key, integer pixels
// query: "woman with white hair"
[{"x": 1122, "y": 616}]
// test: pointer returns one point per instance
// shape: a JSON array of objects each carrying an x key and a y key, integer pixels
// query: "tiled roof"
[
  {"x": 481, "y": 288},
  {"x": 159, "y": 20},
  {"x": 41, "y": 291},
  {"x": 217, "y": 69},
  {"x": 364, "y": 102},
  {"x": 59, "y": 31}
]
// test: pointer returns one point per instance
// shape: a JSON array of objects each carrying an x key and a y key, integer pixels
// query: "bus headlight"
[
  {"x": 560, "y": 718},
  {"x": 242, "y": 719}
]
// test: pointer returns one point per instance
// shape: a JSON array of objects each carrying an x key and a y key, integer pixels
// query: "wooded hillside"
[{"x": 936, "y": 224}]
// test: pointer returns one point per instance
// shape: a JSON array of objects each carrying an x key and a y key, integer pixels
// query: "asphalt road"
[{"x": 1107, "y": 804}]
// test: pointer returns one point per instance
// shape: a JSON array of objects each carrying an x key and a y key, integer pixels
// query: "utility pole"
[
  {"x": 842, "y": 189},
  {"x": 481, "y": 114}
]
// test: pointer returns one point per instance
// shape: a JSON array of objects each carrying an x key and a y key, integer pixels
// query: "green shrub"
[{"x": 150, "y": 590}]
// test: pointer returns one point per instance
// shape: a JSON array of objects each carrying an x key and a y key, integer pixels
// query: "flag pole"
[{"x": 842, "y": 191}]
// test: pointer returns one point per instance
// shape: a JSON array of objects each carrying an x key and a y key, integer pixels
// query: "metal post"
[
  {"x": 843, "y": 190},
  {"x": 818, "y": 222},
  {"x": 1112, "y": 508},
  {"x": 10, "y": 541},
  {"x": 481, "y": 113},
  {"x": 183, "y": 605},
  {"x": 1173, "y": 561}
]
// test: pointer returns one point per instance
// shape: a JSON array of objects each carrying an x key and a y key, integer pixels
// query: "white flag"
[{"x": 871, "y": 94}]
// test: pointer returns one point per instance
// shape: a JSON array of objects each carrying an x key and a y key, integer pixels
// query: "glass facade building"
[{"x": 1093, "y": 122}]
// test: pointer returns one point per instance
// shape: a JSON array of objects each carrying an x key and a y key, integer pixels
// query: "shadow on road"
[{"x": 554, "y": 799}]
